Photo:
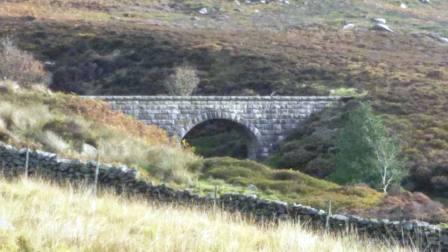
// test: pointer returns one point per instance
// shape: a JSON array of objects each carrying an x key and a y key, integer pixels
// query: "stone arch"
[{"x": 252, "y": 132}]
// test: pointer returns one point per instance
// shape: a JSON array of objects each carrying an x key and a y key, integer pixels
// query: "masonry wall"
[
  {"x": 125, "y": 180},
  {"x": 268, "y": 119}
]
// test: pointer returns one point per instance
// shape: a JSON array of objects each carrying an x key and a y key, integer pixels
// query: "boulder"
[
  {"x": 382, "y": 27},
  {"x": 379, "y": 20},
  {"x": 443, "y": 39},
  {"x": 348, "y": 27},
  {"x": 203, "y": 11}
]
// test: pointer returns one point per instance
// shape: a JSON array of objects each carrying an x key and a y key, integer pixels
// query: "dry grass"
[
  {"x": 100, "y": 112},
  {"x": 37, "y": 216},
  {"x": 46, "y": 10},
  {"x": 78, "y": 128}
]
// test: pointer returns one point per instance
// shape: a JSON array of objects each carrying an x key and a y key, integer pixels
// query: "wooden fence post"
[
  {"x": 27, "y": 162},
  {"x": 327, "y": 222},
  {"x": 97, "y": 172}
]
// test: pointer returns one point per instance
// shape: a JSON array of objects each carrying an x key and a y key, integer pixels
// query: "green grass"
[{"x": 287, "y": 185}]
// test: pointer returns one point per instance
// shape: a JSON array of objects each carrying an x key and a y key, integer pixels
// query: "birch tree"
[
  {"x": 367, "y": 152},
  {"x": 389, "y": 167}
]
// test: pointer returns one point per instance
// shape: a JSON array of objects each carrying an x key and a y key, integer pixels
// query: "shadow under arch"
[{"x": 249, "y": 131}]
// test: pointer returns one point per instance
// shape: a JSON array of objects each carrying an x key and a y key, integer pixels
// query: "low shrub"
[
  {"x": 183, "y": 81},
  {"x": 53, "y": 142},
  {"x": 348, "y": 92},
  {"x": 173, "y": 164},
  {"x": 21, "y": 66}
]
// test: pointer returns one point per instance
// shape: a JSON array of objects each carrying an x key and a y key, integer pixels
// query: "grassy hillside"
[
  {"x": 131, "y": 47},
  {"x": 37, "y": 216},
  {"x": 287, "y": 185},
  {"x": 78, "y": 128}
]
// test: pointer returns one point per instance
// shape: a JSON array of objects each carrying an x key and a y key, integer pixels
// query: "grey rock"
[
  {"x": 203, "y": 11},
  {"x": 348, "y": 26},
  {"x": 379, "y": 20},
  {"x": 252, "y": 187},
  {"x": 382, "y": 27},
  {"x": 339, "y": 217}
]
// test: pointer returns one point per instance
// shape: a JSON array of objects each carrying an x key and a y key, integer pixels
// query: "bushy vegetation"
[
  {"x": 38, "y": 216},
  {"x": 366, "y": 152},
  {"x": 348, "y": 92},
  {"x": 21, "y": 66},
  {"x": 310, "y": 147},
  {"x": 183, "y": 81}
]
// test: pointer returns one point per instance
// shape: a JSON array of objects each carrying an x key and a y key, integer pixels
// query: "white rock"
[
  {"x": 256, "y": 11},
  {"x": 348, "y": 27},
  {"x": 403, "y": 6},
  {"x": 443, "y": 39},
  {"x": 439, "y": 38},
  {"x": 382, "y": 27},
  {"x": 88, "y": 150},
  {"x": 252, "y": 187},
  {"x": 379, "y": 20},
  {"x": 237, "y": 2},
  {"x": 203, "y": 11}
]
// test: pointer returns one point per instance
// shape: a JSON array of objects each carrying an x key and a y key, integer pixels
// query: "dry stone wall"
[
  {"x": 125, "y": 180},
  {"x": 267, "y": 119}
]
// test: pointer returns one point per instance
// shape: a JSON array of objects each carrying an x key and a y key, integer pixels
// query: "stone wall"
[
  {"x": 124, "y": 180},
  {"x": 267, "y": 119}
]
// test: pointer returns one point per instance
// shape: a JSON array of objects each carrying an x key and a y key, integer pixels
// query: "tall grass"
[{"x": 42, "y": 217}]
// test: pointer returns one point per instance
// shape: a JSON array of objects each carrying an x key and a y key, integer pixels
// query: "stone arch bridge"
[{"x": 267, "y": 120}]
